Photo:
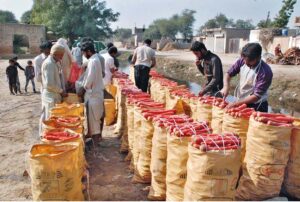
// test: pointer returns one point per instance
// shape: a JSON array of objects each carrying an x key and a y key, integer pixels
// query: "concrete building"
[
  {"x": 35, "y": 34},
  {"x": 138, "y": 35},
  {"x": 225, "y": 40}
]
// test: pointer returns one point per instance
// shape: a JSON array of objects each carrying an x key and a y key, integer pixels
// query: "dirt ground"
[{"x": 110, "y": 178}]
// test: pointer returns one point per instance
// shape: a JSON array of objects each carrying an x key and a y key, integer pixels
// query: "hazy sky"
[{"x": 143, "y": 12}]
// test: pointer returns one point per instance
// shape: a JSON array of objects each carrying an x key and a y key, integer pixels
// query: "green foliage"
[
  {"x": 182, "y": 23},
  {"x": 122, "y": 34},
  {"x": 75, "y": 18},
  {"x": 7, "y": 17},
  {"x": 244, "y": 24},
  {"x": 219, "y": 21},
  {"x": 282, "y": 19},
  {"x": 26, "y": 17},
  {"x": 265, "y": 24}
]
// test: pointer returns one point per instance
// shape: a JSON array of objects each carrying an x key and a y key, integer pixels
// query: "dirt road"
[{"x": 19, "y": 117}]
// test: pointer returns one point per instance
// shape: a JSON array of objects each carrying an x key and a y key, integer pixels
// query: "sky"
[{"x": 143, "y": 12}]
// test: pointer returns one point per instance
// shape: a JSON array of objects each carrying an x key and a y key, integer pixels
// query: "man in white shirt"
[
  {"x": 93, "y": 97},
  {"x": 38, "y": 60},
  {"x": 109, "y": 64},
  {"x": 143, "y": 60}
]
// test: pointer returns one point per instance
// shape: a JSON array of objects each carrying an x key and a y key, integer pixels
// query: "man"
[
  {"x": 52, "y": 92},
  {"x": 93, "y": 85},
  {"x": 255, "y": 79},
  {"x": 12, "y": 73},
  {"x": 21, "y": 68},
  {"x": 29, "y": 73},
  {"x": 108, "y": 46},
  {"x": 38, "y": 60},
  {"x": 143, "y": 60},
  {"x": 210, "y": 66},
  {"x": 76, "y": 52},
  {"x": 110, "y": 66}
]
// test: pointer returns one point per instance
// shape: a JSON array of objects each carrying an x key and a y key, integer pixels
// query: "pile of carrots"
[
  {"x": 189, "y": 129},
  {"x": 59, "y": 134},
  {"x": 216, "y": 142},
  {"x": 120, "y": 75},
  {"x": 240, "y": 112},
  {"x": 280, "y": 120},
  {"x": 220, "y": 102},
  {"x": 207, "y": 100}
]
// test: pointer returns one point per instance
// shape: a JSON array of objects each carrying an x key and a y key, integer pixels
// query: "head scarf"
[{"x": 57, "y": 49}]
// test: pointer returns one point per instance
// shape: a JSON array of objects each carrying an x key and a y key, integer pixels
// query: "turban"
[{"x": 57, "y": 49}]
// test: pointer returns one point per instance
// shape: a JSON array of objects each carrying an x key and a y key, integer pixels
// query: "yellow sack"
[
  {"x": 292, "y": 172},
  {"x": 72, "y": 98},
  {"x": 212, "y": 176},
  {"x": 79, "y": 140},
  {"x": 158, "y": 164},
  {"x": 131, "y": 73},
  {"x": 142, "y": 173},
  {"x": 157, "y": 91},
  {"x": 123, "y": 132},
  {"x": 204, "y": 112},
  {"x": 217, "y": 119},
  {"x": 71, "y": 110},
  {"x": 130, "y": 127},
  {"x": 54, "y": 173},
  {"x": 238, "y": 126},
  {"x": 51, "y": 124},
  {"x": 194, "y": 107},
  {"x": 137, "y": 122},
  {"x": 177, "y": 148},
  {"x": 267, "y": 153},
  {"x": 121, "y": 116},
  {"x": 111, "y": 89},
  {"x": 110, "y": 111}
]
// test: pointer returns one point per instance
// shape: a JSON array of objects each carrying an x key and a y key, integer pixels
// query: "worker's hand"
[
  {"x": 232, "y": 105},
  {"x": 198, "y": 62},
  {"x": 201, "y": 93},
  {"x": 224, "y": 92}
]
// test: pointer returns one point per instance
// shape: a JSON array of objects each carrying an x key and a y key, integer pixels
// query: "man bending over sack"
[{"x": 255, "y": 79}]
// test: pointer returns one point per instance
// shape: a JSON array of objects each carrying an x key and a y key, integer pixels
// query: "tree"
[
  {"x": 26, "y": 17},
  {"x": 152, "y": 32},
  {"x": 244, "y": 24},
  {"x": 219, "y": 21},
  {"x": 75, "y": 18},
  {"x": 122, "y": 34},
  {"x": 282, "y": 19},
  {"x": 7, "y": 17},
  {"x": 185, "y": 23},
  {"x": 265, "y": 23}
]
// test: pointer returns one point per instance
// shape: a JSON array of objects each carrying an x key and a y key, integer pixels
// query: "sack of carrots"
[
  {"x": 218, "y": 109},
  {"x": 213, "y": 167},
  {"x": 236, "y": 120},
  {"x": 178, "y": 139},
  {"x": 268, "y": 148}
]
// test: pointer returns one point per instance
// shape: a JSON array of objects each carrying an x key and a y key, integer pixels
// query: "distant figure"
[
  {"x": 108, "y": 46},
  {"x": 29, "y": 73},
  {"x": 255, "y": 78},
  {"x": 77, "y": 54},
  {"x": 278, "y": 52},
  {"x": 143, "y": 60},
  {"x": 110, "y": 66},
  {"x": 38, "y": 60},
  {"x": 210, "y": 66},
  {"x": 21, "y": 68},
  {"x": 12, "y": 73}
]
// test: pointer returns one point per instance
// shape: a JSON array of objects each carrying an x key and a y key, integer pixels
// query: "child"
[
  {"x": 12, "y": 73},
  {"x": 29, "y": 73}
]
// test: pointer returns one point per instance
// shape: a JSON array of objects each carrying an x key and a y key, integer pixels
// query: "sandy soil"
[{"x": 110, "y": 178}]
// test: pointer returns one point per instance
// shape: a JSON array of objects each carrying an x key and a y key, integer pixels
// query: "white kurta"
[
  {"x": 109, "y": 66},
  {"x": 93, "y": 98},
  {"x": 38, "y": 61},
  {"x": 51, "y": 85}
]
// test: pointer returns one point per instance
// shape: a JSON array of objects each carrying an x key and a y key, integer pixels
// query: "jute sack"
[
  {"x": 292, "y": 172},
  {"x": 131, "y": 73},
  {"x": 142, "y": 172},
  {"x": 81, "y": 158},
  {"x": 54, "y": 173},
  {"x": 121, "y": 116},
  {"x": 157, "y": 91},
  {"x": 177, "y": 148},
  {"x": 137, "y": 122},
  {"x": 111, "y": 89},
  {"x": 217, "y": 119},
  {"x": 124, "y": 140},
  {"x": 52, "y": 124},
  {"x": 72, "y": 98},
  {"x": 238, "y": 126},
  {"x": 110, "y": 112},
  {"x": 194, "y": 107},
  {"x": 212, "y": 176},
  {"x": 267, "y": 153},
  {"x": 204, "y": 112},
  {"x": 70, "y": 110},
  {"x": 130, "y": 128},
  {"x": 158, "y": 164}
]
